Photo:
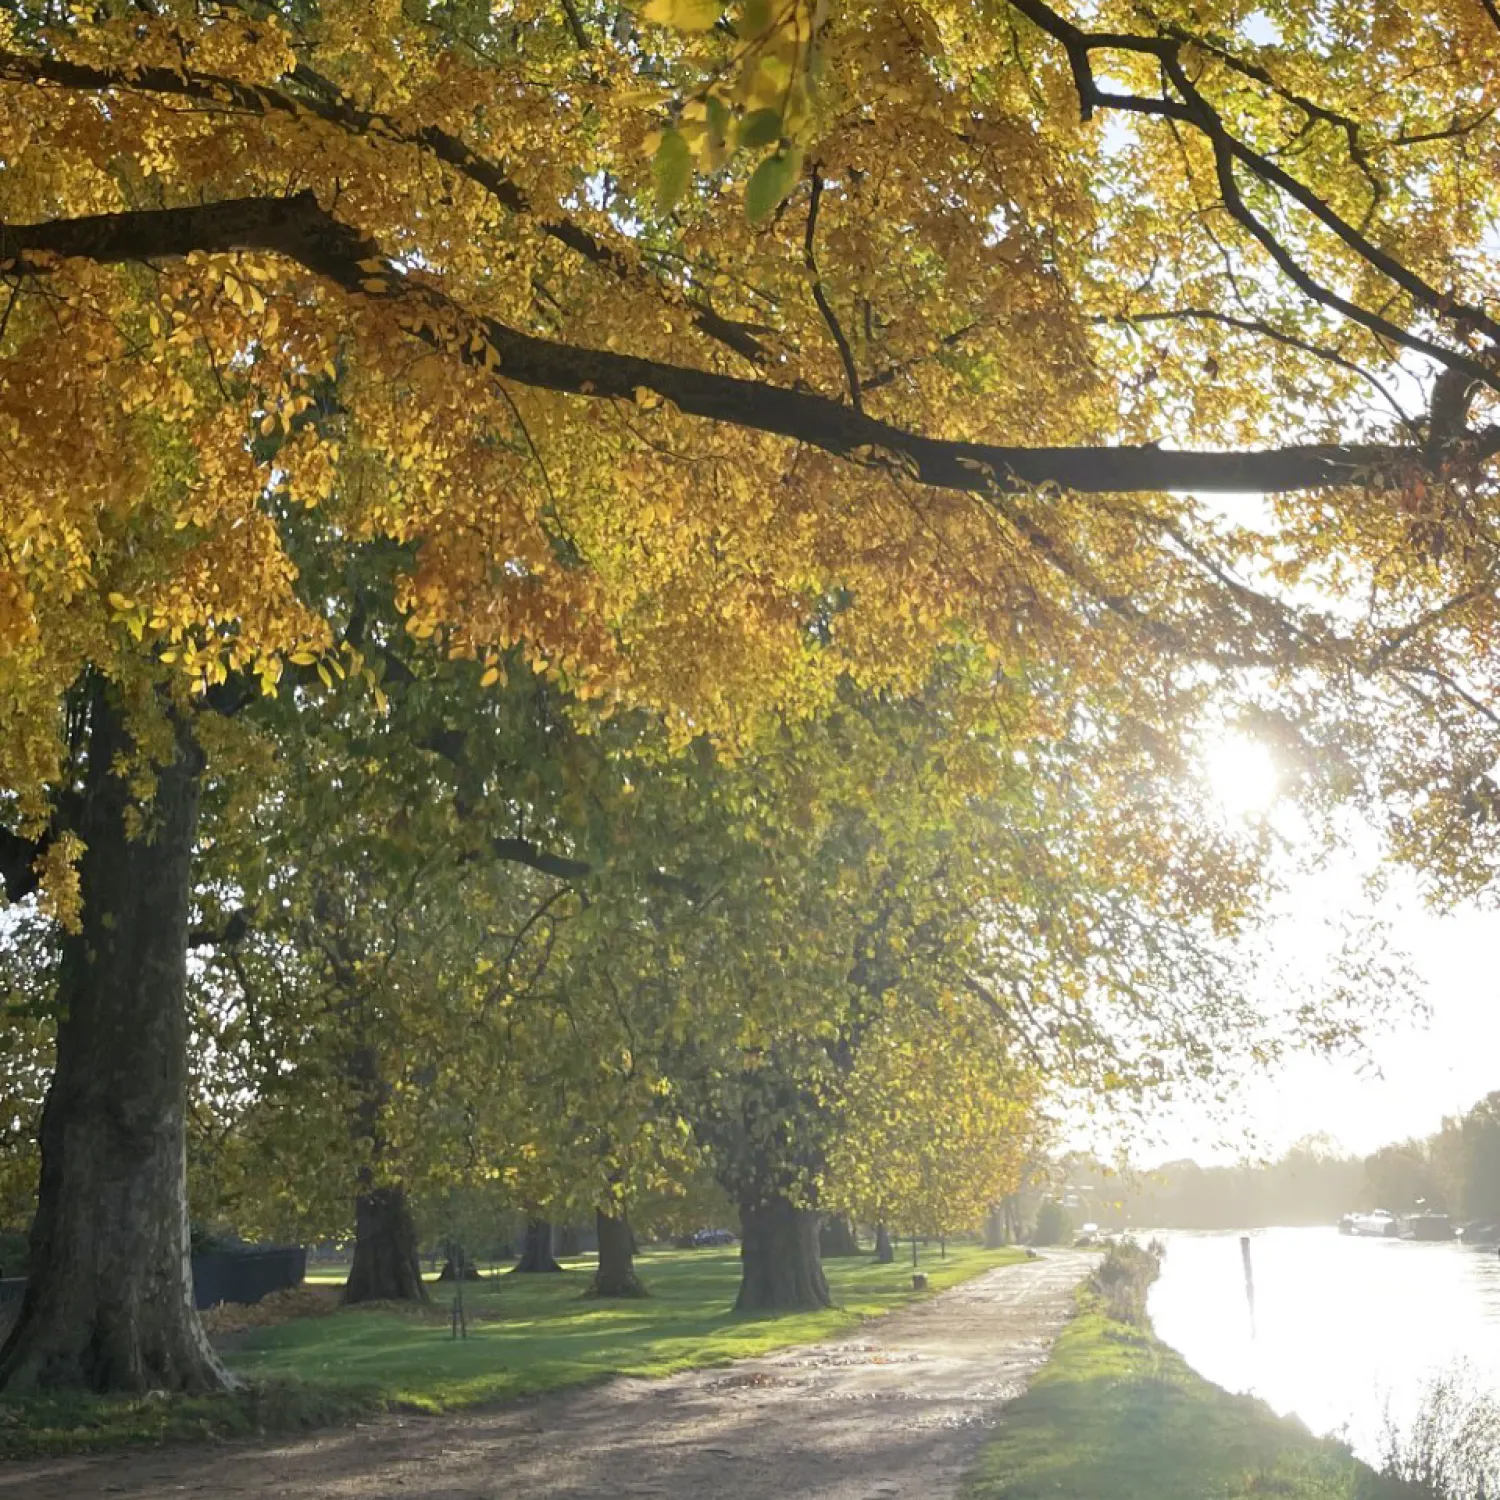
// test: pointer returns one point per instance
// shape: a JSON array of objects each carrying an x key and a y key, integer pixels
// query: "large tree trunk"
[
  {"x": 536, "y": 1253},
  {"x": 616, "y": 1274},
  {"x": 837, "y": 1237},
  {"x": 109, "y": 1306},
  {"x": 386, "y": 1267},
  {"x": 994, "y": 1227},
  {"x": 781, "y": 1269},
  {"x": 885, "y": 1252}
]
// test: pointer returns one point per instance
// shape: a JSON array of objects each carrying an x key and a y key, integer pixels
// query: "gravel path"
[{"x": 896, "y": 1410}]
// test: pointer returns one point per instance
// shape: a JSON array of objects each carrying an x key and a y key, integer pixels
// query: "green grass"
[
  {"x": 526, "y": 1334},
  {"x": 1116, "y": 1415}
]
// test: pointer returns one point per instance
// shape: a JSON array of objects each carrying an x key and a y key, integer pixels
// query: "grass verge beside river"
[
  {"x": 1117, "y": 1415},
  {"x": 526, "y": 1334}
]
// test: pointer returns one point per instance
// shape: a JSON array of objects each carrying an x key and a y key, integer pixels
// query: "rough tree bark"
[
  {"x": 109, "y": 1306},
  {"x": 536, "y": 1253},
  {"x": 781, "y": 1268},
  {"x": 885, "y": 1252},
  {"x": 616, "y": 1274},
  {"x": 386, "y": 1267},
  {"x": 837, "y": 1237}
]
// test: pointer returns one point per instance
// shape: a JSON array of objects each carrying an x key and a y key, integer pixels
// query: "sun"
[{"x": 1241, "y": 773}]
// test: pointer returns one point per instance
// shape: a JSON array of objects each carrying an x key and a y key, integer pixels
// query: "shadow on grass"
[{"x": 528, "y": 1334}]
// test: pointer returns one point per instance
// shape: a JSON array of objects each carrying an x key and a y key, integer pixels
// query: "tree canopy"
[
  {"x": 610, "y": 409},
  {"x": 704, "y": 507}
]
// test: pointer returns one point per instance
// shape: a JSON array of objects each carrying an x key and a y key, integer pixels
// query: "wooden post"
[
  {"x": 1249, "y": 1280},
  {"x": 460, "y": 1316}
]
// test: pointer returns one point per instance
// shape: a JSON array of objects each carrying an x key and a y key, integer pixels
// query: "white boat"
[{"x": 1379, "y": 1224}]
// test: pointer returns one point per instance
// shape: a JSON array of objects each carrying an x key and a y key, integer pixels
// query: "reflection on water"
[{"x": 1344, "y": 1330}]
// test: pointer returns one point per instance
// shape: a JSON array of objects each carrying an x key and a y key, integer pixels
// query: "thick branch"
[
  {"x": 523, "y": 852},
  {"x": 322, "y": 100},
  {"x": 299, "y": 229}
]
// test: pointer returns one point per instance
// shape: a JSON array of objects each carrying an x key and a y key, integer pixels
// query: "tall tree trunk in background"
[
  {"x": 565, "y": 1240},
  {"x": 885, "y": 1252},
  {"x": 616, "y": 1274},
  {"x": 536, "y": 1253},
  {"x": 386, "y": 1267},
  {"x": 454, "y": 1256},
  {"x": 837, "y": 1237},
  {"x": 994, "y": 1227},
  {"x": 782, "y": 1271},
  {"x": 109, "y": 1306}
]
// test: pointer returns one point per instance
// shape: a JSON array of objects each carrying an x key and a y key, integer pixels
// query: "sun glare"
[{"x": 1242, "y": 775}]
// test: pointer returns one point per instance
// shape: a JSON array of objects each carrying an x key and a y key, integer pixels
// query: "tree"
[
  {"x": 1054, "y": 1224},
  {"x": 1465, "y": 1158},
  {"x": 824, "y": 420},
  {"x": 1399, "y": 1178},
  {"x": 942, "y": 1123}
]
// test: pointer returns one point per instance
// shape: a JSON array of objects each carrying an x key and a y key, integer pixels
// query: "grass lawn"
[
  {"x": 1116, "y": 1415},
  {"x": 526, "y": 1334}
]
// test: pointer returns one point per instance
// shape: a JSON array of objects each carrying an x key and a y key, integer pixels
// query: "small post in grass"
[
  {"x": 1249, "y": 1280},
  {"x": 460, "y": 1318}
]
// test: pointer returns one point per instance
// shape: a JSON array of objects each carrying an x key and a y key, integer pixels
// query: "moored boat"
[
  {"x": 1379, "y": 1224},
  {"x": 1428, "y": 1227}
]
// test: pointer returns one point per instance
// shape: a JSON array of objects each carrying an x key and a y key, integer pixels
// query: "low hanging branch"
[{"x": 301, "y": 230}]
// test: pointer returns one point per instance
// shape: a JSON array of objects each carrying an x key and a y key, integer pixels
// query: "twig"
[{"x": 846, "y": 354}]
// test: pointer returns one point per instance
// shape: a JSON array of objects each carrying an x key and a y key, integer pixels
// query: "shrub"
[
  {"x": 1123, "y": 1278},
  {"x": 1054, "y": 1225},
  {"x": 1451, "y": 1448}
]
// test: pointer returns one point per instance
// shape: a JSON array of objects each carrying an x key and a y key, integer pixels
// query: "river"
[{"x": 1347, "y": 1333}]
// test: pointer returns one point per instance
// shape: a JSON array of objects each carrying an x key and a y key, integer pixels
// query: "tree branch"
[
  {"x": 323, "y": 100},
  {"x": 1278, "y": 335},
  {"x": 523, "y": 852},
  {"x": 809, "y": 256},
  {"x": 300, "y": 230},
  {"x": 1193, "y": 109}
]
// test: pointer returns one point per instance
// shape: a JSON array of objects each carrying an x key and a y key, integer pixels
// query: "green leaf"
[
  {"x": 683, "y": 15},
  {"x": 769, "y": 183},
  {"x": 718, "y": 118},
  {"x": 763, "y": 128},
  {"x": 755, "y": 19},
  {"x": 672, "y": 168}
]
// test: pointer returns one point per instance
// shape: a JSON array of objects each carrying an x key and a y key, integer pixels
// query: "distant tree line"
[{"x": 1454, "y": 1171}]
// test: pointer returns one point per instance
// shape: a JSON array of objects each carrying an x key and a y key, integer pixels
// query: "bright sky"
[
  {"x": 1417, "y": 1069},
  {"x": 1420, "y": 1067}
]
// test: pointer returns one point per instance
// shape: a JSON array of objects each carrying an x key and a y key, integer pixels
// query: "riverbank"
[
  {"x": 1117, "y": 1415},
  {"x": 527, "y": 1335}
]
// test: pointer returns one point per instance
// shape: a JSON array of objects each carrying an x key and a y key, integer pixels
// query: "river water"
[{"x": 1346, "y": 1334}]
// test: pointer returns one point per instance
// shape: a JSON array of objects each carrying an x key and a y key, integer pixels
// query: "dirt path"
[{"x": 896, "y": 1410}]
